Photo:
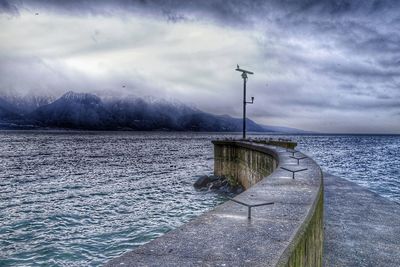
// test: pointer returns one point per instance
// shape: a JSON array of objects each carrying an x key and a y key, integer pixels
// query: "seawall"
[
  {"x": 249, "y": 164},
  {"x": 362, "y": 228},
  {"x": 288, "y": 232}
]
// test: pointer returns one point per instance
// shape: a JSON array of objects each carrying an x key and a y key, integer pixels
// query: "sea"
[{"x": 73, "y": 198}]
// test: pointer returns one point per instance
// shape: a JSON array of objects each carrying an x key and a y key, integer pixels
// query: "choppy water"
[
  {"x": 82, "y": 198},
  {"x": 79, "y": 199},
  {"x": 370, "y": 161}
]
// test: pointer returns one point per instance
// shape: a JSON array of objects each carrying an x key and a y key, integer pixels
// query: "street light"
[{"x": 245, "y": 102}]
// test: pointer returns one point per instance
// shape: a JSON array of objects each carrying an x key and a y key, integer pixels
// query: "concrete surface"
[
  {"x": 361, "y": 227},
  {"x": 225, "y": 237}
]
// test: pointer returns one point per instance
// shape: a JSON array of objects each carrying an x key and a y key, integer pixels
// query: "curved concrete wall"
[
  {"x": 249, "y": 164},
  {"x": 287, "y": 233}
]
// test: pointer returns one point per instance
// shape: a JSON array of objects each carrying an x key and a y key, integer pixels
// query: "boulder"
[
  {"x": 203, "y": 181},
  {"x": 215, "y": 185}
]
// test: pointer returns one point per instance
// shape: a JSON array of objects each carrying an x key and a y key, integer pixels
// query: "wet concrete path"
[{"x": 361, "y": 227}]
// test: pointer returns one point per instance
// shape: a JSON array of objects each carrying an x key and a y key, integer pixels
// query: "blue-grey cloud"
[
  {"x": 330, "y": 57},
  {"x": 8, "y": 7}
]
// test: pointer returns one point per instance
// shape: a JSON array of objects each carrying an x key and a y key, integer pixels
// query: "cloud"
[
  {"x": 7, "y": 7},
  {"x": 327, "y": 65}
]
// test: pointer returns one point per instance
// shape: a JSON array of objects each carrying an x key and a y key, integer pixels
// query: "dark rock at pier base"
[
  {"x": 219, "y": 184},
  {"x": 203, "y": 181}
]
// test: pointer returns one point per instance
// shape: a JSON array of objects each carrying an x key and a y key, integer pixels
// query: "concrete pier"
[
  {"x": 316, "y": 220},
  {"x": 287, "y": 233},
  {"x": 361, "y": 228}
]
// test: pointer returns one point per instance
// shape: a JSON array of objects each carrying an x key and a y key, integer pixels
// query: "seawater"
[
  {"x": 372, "y": 161},
  {"x": 82, "y": 198}
]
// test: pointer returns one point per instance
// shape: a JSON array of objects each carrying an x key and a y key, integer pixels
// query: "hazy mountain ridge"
[
  {"x": 27, "y": 103},
  {"x": 90, "y": 112},
  {"x": 74, "y": 111},
  {"x": 8, "y": 111}
]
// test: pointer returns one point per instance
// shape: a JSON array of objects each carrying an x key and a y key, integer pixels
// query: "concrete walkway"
[
  {"x": 361, "y": 227},
  {"x": 226, "y": 237}
]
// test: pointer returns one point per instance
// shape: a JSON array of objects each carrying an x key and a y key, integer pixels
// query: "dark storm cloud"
[
  {"x": 7, "y": 7},
  {"x": 362, "y": 71},
  {"x": 233, "y": 10},
  {"x": 318, "y": 57}
]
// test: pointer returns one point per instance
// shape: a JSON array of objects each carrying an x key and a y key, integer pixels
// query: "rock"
[
  {"x": 215, "y": 185},
  {"x": 218, "y": 184},
  {"x": 214, "y": 178},
  {"x": 202, "y": 181},
  {"x": 239, "y": 189},
  {"x": 227, "y": 189}
]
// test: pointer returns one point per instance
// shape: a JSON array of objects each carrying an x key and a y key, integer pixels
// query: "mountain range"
[{"x": 86, "y": 111}]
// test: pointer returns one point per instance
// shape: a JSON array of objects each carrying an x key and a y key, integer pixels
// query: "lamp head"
[{"x": 242, "y": 70}]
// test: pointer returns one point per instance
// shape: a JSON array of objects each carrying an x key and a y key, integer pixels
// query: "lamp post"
[{"x": 245, "y": 102}]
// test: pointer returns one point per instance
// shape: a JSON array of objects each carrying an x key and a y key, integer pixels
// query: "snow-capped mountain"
[
  {"x": 8, "y": 111},
  {"x": 11, "y": 117},
  {"x": 76, "y": 111},
  {"x": 27, "y": 103},
  {"x": 90, "y": 112},
  {"x": 139, "y": 113}
]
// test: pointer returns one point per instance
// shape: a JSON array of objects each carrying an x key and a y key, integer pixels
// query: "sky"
[{"x": 329, "y": 66}]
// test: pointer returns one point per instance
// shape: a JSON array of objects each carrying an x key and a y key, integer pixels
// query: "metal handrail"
[
  {"x": 298, "y": 158},
  {"x": 292, "y": 151},
  {"x": 249, "y": 206},
  {"x": 293, "y": 171}
]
